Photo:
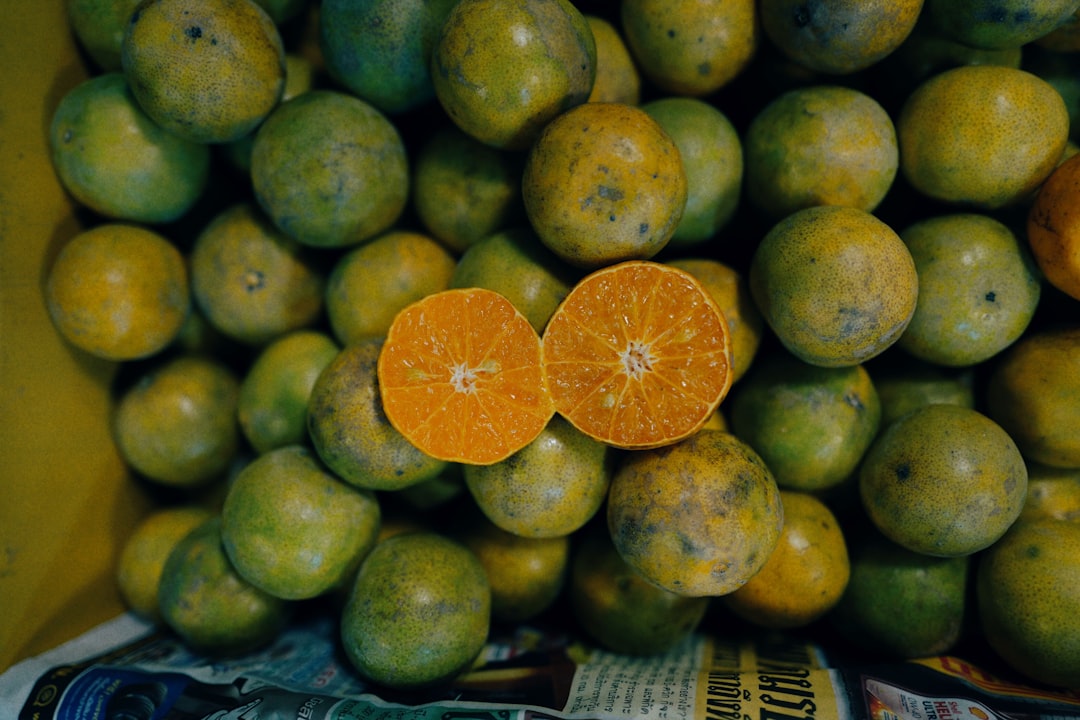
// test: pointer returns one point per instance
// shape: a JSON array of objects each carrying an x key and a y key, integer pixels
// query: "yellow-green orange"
[
  {"x": 1034, "y": 393},
  {"x": 820, "y": 145},
  {"x": 617, "y": 77},
  {"x": 978, "y": 289},
  {"x": 176, "y": 425},
  {"x": 621, "y": 610},
  {"x": 330, "y": 169},
  {"x": 145, "y": 551},
  {"x": 836, "y": 284},
  {"x": 943, "y": 480},
  {"x": 292, "y": 528},
  {"x": 712, "y": 156},
  {"x": 1052, "y": 492},
  {"x": 905, "y": 383},
  {"x": 208, "y": 605},
  {"x": 604, "y": 183},
  {"x": 118, "y": 162},
  {"x": 1006, "y": 24},
  {"x": 418, "y": 613},
  {"x": 99, "y": 27},
  {"x": 732, "y": 294},
  {"x": 371, "y": 283},
  {"x": 118, "y": 291},
  {"x": 463, "y": 189},
  {"x": 351, "y": 433},
  {"x": 696, "y": 518},
  {"x": 515, "y": 264},
  {"x": 502, "y": 69},
  {"x": 806, "y": 573},
  {"x": 839, "y": 37},
  {"x": 250, "y": 280},
  {"x": 981, "y": 135},
  {"x": 208, "y": 70},
  {"x": 1027, "y": 588},
  {"x": 810, "y": 424},
  {"x": 691, "y": 48},
  {"x": 551, "y": 487},
  {"x": 274, "y": 392}
]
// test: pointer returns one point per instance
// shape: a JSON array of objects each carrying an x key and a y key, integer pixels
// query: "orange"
[
  {"x": 981, "y": 135},
  {"x": 460, "y": 376},
  {"x": 731, "y": 292},
  {"x": 696, "y": 518},
  {"x": 1027, "y": 590},
  {"x": 370, "y": 284},
  {"x": 839, "y": 37},
  {"x": 515, "y": 264},
  {"x": 250, "y": 280},
  {"x": 1034, "y": 393},
  {"x": 978, "y": 289},
  {"x": 904, "y": 383},
  {"x": 99, "y": 27},
  {"x": 208, "y": 70},
  {"x": 381, "y": 51},
  {"x": 118, "y": 291},
  {"x": 294, "y": 529},
  {"x": 638, "y": 355},
  {"x": 805, "y": 575},
  {"x": 943, "y": 480},
  {"x": 1053, "y": 228},
  {"x": 551, "y": 487},
  {"x": 118, "y": 162},
  {"x": 418, "y": 613},
  {"x": 617, "y": 77},
  {"x": 464, "y": 190},
  {"x": 502, "y": 69},
  {"x": 820, "y": 145},
  {"x": 145, "y": 551},
  {"x": 209, "y": 606},
  {"x": 1052, "y": 492},
  {"x": 621, "y": 610},
  {"x": 275, "y": 389},
  {"x": 176, "y": 424},
  {"x": 1008, "y": 24},
  {"x": 329, "y": 169},
  {"x": 350, "y": 431},
  {"x": 691, "y": 47},
  {"x": 836, "y": 284},
  {"x": 603, "y": 183}
]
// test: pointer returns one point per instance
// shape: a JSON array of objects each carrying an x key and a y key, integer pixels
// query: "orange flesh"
[
  {"x": 638, "y": 355},
  {"x": 460, "y": 376}
]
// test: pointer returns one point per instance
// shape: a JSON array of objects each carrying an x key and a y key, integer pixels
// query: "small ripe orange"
[
  {"x": 617, "y": 77},
  {"x": 638, "y": 355},
  {"x": 1053, "y": 227},
  {"x": 460, "y": 376},
  {"x": 118, "y": 291}
]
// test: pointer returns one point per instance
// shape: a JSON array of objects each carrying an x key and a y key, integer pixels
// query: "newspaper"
[{"x": 126, "y": 669}]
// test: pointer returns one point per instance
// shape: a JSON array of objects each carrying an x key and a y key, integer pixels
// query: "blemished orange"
[
  {"x": 461, "y": 377},
  {"x": 1053, "y": 228},
  {"x": 638, "y": 355},
  {"x": 118, "y": 291}
]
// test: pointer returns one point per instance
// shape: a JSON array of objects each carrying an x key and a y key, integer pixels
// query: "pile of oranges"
[{"x": 444, "y": 314}]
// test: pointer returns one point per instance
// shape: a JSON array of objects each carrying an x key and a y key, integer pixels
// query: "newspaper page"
[{"x": 128, "y": 670}]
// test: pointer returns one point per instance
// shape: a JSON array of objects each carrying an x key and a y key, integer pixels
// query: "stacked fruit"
[{"x": 448, "y": 313}]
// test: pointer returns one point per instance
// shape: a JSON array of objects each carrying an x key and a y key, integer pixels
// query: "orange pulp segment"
[
  {"x": 638, "y": 355},
  {"x": 460, "y": 376}
]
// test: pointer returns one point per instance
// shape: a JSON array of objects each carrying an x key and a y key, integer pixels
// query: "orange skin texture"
[
  {"x": 838, "y": 37},
  {"x": 502, "y": 69},
  {"x": 617, "y": 77},
  {"x": 1053, "y": 227},
  {"x": 982, "y": 135},
  {"x": 177, "y": 423},
  {"x": 1052, "y": 492},
  {"x": 119, "y": 292},
  {"x": 696, "y": 518},
  {"x": 804, "y": 576},
  {"x": 1004, "y": 25},
  {"x": 604, "y": 183},
  {"x": 691, "y": 48},
  {"x": 207, "y": 70},
  {"x": 1034, "y": 393},
  {"x": 251, "y": 281}
]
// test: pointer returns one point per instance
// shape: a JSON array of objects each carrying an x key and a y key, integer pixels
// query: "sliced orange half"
[
  {"x": 460, "y": 376},
  {"x": 638, "y": 355}
]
